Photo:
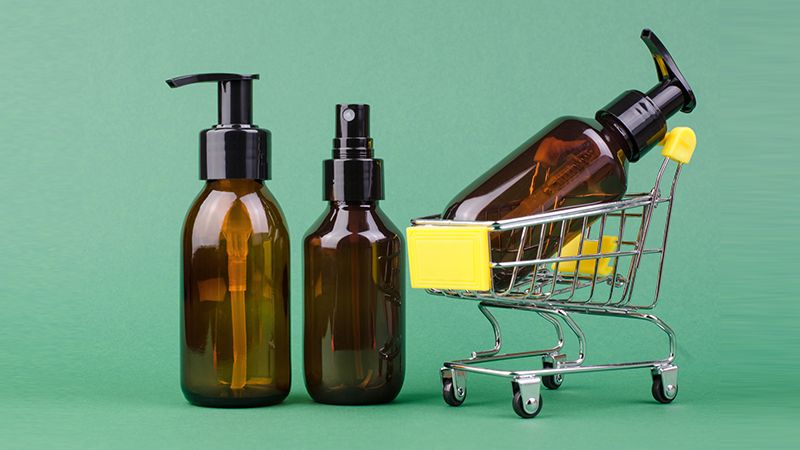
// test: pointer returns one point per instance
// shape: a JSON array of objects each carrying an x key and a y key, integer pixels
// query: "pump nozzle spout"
[
  {"x": 234, "y": 94},
  {"x": 674, "y": 92}
]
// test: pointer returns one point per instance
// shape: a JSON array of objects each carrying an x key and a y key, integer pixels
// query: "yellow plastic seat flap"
[{"x": 449, "y": 257}]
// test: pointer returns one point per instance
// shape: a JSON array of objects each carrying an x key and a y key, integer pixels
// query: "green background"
[{"x": 99, "y": 165}]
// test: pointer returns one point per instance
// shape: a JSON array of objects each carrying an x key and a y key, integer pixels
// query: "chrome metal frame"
[{"x": 542, "y": 288}]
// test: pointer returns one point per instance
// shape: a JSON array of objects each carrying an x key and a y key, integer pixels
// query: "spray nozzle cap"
[
  {"x": 643, "y": 117},
  {"x": 234, "y": 148},
  {"x": 352, "y": 138},
  {"x": 352, "y": 175}
]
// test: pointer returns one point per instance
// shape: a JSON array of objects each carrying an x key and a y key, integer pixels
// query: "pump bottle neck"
[
  {"x": 236, "y": 185},
  {"x": 616, "y": 136}
]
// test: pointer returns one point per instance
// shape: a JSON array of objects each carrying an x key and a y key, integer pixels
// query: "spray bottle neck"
[{"x": 353, "y": 206}]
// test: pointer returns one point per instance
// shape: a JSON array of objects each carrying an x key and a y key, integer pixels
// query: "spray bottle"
[{"x": 354, "y": 317}]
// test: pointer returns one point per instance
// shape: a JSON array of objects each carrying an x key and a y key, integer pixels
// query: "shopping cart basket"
[{"x": 593, "y": 273}]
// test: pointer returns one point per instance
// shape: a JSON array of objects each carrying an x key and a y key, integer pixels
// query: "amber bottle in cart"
[
  {"x": 235, "y": 261},
  {"x": 572, "y": 161},
  {"x": 354, "y": 316}
]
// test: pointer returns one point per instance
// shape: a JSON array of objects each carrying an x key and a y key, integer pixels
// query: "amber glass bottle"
[
  {"x": 235, "y": 260},
  {"x": 353, "y": 279},
  {"x": 235, "y": 333},
  {"x": 573, "y": 161}
]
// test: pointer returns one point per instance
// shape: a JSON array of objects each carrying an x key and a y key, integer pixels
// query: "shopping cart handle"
[{"x": 679, "y": 144}]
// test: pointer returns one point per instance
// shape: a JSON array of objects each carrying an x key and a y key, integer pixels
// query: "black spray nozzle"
[
  {"x": 234, "y": 94},
  {"x": 352, "y": 175},
  {"x": 352, "y": 132},
  {"x": 235, "y": 148},
  {"x": 643, "y": 117}
]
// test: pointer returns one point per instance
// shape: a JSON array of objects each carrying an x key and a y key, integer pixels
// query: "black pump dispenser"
[
  {"x": 643, "y": 117},
  {"x": 353, "y": 175},
  {"x": 234, "y": 148}
]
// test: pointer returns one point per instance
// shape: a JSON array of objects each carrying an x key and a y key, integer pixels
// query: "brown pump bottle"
[
  {"x": 573, "y": 161},
  {"x": 235, "y": 258},
  {"x": 354, "y": 312}
]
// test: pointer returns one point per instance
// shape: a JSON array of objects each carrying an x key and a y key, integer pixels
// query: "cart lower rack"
[{"x": 598, "y": 253}]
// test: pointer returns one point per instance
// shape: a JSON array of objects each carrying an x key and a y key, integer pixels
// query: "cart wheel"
[
  {"x": 518, "y": 404},
  {"x": 551, "y": 381},
  {"x": 449, "y": 393},
  {"x": 661, "y": 394}
]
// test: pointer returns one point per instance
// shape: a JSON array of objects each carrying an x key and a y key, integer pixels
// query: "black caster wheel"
[
  {"x": 450, "y": 395},
  {"x": 659, "y": 392},
  {"x": 518, "y": 403},
  {"x": 551, "y": 381}
]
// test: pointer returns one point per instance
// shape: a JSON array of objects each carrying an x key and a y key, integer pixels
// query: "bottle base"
[
  {"x": 234, "y": 402},
  {"x": 354, "y": 397}
]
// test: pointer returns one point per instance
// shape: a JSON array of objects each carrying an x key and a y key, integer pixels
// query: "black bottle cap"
[
  {"x": 643, "y": 117},
  {"x": 234, "y": 148},
  {"x": 353, "y": 175}
]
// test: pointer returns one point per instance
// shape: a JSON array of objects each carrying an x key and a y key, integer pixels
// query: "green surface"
[{"x": 99, "y": 165}]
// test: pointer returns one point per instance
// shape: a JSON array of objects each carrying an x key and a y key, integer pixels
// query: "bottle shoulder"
[
  {"x": 352, "y": 224},
  {"x": 387, "y": 222},
  {"x": 211, "y": 207},
  {"x": 576, "y": 121}
]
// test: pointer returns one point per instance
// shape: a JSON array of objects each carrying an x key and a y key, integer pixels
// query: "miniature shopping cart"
[{"x": 595, "y": 272}]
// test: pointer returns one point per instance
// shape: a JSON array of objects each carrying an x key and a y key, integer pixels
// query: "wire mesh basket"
[{"x": 584, "y": 259}]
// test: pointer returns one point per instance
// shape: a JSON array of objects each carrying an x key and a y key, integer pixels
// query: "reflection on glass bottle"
[
  {"x": 235, "y": 334},
  {"x": 571, "y": 162},
  {"x": 353, "y": 306}
]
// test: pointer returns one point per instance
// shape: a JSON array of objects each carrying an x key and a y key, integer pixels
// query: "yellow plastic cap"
[
  {"x": 586, "y": 267},
  {"x": 679, "y": 144},
  {"x": 449, "y": 257}
]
